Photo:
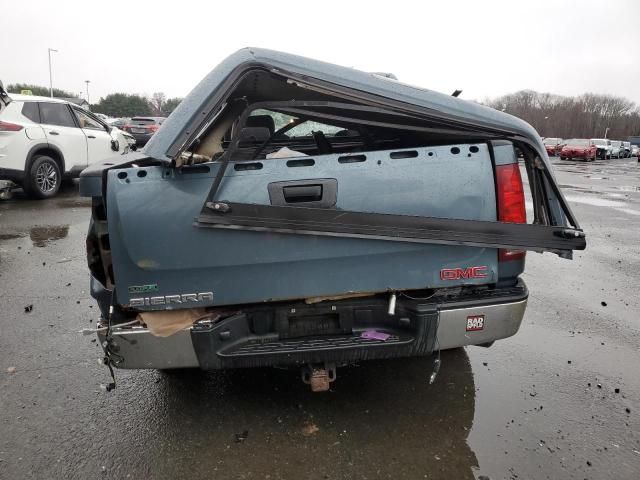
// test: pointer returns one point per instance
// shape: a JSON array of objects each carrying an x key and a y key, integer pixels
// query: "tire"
[
  {"x": 44, "y": 178},
  {"x": 563, "y": 158}
]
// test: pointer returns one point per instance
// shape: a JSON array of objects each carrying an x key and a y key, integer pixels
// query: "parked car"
[
  {"x": 603, "y": 146},
  {"x": 119, "y": 122},
  {"x": 579, "y": 148},
  {"x": 635, "y": 149},
  {"x": 143, "y": 128},
  {"x": 309, "y": 215},
  {"x": 45, "y": 139},
  {"x": 627, "y": 149},
  {"x": 553, "y": 146},
  {"x": 617, "y": 149}
]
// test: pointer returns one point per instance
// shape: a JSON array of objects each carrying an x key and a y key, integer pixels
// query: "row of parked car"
[
  {"x": 141, "y": 128},
  {"x": 589, "y": 148},
  {"x": 46, "y": 140}
]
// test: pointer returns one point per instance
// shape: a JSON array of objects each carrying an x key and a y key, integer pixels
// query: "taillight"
[
  {"x": 511, "y": 208},
  {"x": 126, "y": 127},
  {"x": 10, "y": 127},
  {"x": 153, "y": 128}
]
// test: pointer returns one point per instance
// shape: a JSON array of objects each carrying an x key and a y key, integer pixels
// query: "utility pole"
[
  {"x": 50, "y": 76},
  {"x": 87, "y": 82}
]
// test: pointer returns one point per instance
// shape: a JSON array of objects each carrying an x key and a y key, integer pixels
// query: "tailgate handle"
[
  {"x": 302, "y": 193},
  {"x": 317, "y": 192}
]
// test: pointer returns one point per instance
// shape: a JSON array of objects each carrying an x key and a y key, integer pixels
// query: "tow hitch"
[{"x": 319, "y": 376}]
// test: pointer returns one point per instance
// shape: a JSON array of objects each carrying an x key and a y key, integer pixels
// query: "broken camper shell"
[
  {"x": 446, "y": 117},
  {"x": 269, "y": 79}
]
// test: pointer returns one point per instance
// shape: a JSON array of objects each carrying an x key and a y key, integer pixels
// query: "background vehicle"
[
  {"x": 45, "y": 139},
  {"x": 143, "y": 128},
  {"x": 617, "y": 149},
  {"x": 634, "y": 150},
  {"x": 553, "y": 146},
  {"x": 627, "y": 149},
  {"x": 119, "y": 122},
  {"x": 333, "y": 224},
  {"x": 579, "y": 148},
  {"x": 603, "y": 146}
]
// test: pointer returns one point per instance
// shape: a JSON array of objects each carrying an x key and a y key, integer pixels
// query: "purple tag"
[{"x": 375, "y": 335}]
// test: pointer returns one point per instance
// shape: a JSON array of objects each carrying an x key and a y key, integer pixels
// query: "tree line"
[
  {"x": 114, "y": 104},
  {"x": 586, "y": 116}
]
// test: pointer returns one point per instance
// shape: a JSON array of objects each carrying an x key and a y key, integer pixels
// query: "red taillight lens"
[
  {"x": 10, "y": 127},
  {"x": 126, "y": 127},
  {"x": 510, "y": 194},
  {"x": 511, "y": 206},
  {"x": 153, "y": 128}
]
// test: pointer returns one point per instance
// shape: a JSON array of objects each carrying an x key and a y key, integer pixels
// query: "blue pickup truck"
[{"x": 292, "y": 212}]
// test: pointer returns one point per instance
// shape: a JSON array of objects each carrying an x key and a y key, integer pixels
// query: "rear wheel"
[{"x": 43, "y": 178}]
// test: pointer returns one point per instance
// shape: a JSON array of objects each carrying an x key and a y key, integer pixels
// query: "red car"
[
  {"x": 553, "y": 146},
  {"x": 578, "y": 148}
]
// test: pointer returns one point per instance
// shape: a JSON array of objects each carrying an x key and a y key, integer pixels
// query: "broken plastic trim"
[{"x": 399, "y": 228}]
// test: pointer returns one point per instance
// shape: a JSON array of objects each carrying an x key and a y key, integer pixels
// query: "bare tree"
[
  {"x": 157, "y": 103},
  {"x": 586, "y": 116}
]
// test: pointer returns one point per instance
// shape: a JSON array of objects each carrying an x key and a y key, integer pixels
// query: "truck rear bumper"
[{"x": 476, "y": 320}]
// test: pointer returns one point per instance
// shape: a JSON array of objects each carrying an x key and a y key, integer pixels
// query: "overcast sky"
[{"x": 486, "y": 48}]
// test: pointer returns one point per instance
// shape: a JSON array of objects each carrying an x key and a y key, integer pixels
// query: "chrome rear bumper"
[{"x": 456, "y": 327}]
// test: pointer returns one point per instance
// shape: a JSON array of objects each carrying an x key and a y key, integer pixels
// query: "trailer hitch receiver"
[{"x": 319, "y": 376}]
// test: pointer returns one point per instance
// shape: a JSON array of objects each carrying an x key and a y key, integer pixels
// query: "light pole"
[
  {"x": 87, "y": 82},
  {"x": 50, "y": 77},
  {"x": 606, "y": 131}
]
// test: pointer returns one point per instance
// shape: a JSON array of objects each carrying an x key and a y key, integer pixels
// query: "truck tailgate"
[{"x": 240, "y": 266}]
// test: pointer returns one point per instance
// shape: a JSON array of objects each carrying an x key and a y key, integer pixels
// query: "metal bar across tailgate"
[{"x": 398, "y": 228}]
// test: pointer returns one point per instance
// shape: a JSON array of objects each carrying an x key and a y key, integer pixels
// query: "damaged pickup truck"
[{"x": 295, "y": 213}]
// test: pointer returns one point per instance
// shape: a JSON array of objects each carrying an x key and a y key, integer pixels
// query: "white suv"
[
  {"x": 45, "y": 139},
  {"x": 617, "y": 149}
]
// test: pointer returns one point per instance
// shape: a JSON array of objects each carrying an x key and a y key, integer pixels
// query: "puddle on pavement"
[
  {"x": 74, "y": 203},
  {"x": 376, "y": 405},
  {"x": 10, "y": 236},
  {"x": 630, "y": 211},
  {"x": 42, "y": 236},
  {"x": 627, "y": 188},
  {"x": 597, "y": 202}
]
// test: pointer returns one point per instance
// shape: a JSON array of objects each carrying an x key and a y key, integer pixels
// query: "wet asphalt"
[{"x": 561, "y": 399}]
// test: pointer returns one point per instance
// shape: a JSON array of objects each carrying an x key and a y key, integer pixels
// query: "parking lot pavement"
[{"x": 561, "y": 399}]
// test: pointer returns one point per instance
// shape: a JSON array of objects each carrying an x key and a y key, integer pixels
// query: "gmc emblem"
[{"x": 463, "y": 273}]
